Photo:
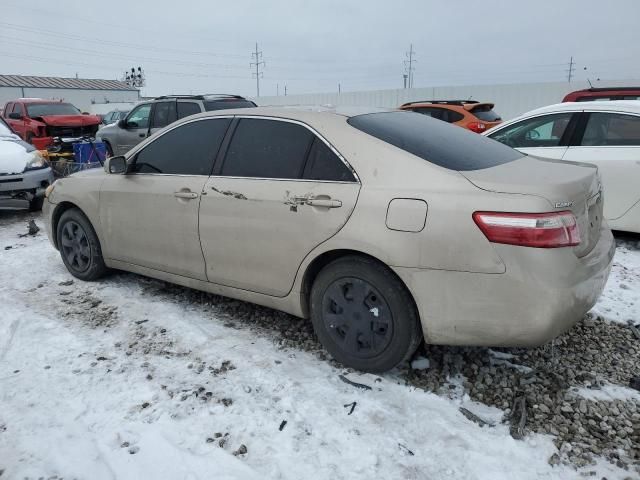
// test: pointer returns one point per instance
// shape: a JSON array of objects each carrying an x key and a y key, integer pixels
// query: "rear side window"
[
  {"x": 225, "y": 104},
  {"x": 611, "y": 129},
  {"x": 267, "y": 149},
  {"x": 187, "y": 108},
  {"x": 542, "y": 131},
  {"x": 444, "y": 145},
  {"x": 189, "y": 149},
  {"x": 323, "y": 164},
  {"x": 485, "y": 113},
  {"x": 164, "y": 113}
]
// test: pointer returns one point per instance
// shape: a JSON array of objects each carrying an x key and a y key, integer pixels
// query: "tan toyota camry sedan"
[{"x": 382, "y": 228}]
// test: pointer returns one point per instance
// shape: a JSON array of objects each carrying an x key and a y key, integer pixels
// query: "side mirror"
[
  {"x": 116, "y": 165},
  {"x": 15, "y": 116},
  {"x": 122, "y": 123}
]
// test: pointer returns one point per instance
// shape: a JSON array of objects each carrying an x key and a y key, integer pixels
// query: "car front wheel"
[
  {"x": 79, "y": 246},
  {"x": 363, "y": 314}
]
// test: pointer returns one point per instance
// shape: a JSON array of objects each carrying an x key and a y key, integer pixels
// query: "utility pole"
[
  {"x": 404, "y": 77},
  {"x": 285, "y": 90},
  {"x": 339, "y": 90},
  {"x": 408, "y": 65},
  {"x": 258, "y": 64},
  {"x": 571, "y": 64},
  {"x": 277, "y": 89}
]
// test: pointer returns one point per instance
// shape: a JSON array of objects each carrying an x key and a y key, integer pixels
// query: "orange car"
[{"x": 469, "y": 114}]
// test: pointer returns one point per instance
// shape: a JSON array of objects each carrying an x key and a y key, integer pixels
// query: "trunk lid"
[{"x": 565, "y": 185}]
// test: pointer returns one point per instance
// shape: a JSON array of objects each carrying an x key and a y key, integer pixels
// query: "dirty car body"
[{"x": 382, "y": 227}]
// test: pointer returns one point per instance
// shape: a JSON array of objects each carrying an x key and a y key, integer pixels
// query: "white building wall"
[
  {"x": 83, "y": 99},
  {"x": 510, "y": 100}
]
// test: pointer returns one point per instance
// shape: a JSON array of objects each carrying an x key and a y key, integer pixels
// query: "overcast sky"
[{"x": 200, "y": 46}]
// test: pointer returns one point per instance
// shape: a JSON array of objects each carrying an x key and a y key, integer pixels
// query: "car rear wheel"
[
  {"x": 363, "y": 314},
  {"x": 79, "y": 246}
]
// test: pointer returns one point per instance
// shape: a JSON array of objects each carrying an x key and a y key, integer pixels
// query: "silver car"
[
  {"x": 147, "y": 118},
  {"x": 24, "y": 173},
  {"x": 383, "y": 228}
]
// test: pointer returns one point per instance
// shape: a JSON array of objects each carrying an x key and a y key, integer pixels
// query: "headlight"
[{"x": 36, "y": 161}]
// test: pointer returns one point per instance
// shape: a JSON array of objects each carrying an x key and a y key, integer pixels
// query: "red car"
[
  {"x": 38, "y": 121},
  {"x": 612, "y": 93}
]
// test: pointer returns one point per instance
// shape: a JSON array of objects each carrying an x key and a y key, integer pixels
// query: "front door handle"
[
  {"x": 188, "y": 195},
  {"x": 323, "y": 202}
]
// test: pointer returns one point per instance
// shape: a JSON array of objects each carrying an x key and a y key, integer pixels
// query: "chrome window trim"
[{"x": 143, "y": 145}]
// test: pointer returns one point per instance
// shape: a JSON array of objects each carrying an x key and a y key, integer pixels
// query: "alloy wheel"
[{"x": 75, "y": 246}]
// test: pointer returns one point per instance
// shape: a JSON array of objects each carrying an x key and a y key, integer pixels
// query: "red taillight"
[
  {"x": 477, "y": 127},
  {"x": 541, "y": 230}
]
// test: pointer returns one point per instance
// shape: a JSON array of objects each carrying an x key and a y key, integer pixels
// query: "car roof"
[
  {"x": 297, "y": 112},
  {"x": 631, "y": 106}
]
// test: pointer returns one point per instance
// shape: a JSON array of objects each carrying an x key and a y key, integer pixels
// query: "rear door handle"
[
  {"x": 189, "y": 195},
  {"x": 324, "y": 202}
]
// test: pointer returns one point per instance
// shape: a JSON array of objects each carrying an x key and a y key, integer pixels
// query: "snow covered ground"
[{"x": 113, "y": 380}]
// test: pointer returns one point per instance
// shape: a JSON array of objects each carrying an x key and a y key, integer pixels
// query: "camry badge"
[{"x": 563, "y": 204}]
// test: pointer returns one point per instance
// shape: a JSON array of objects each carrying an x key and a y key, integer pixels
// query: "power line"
[
  {"x": 258, "y": 63},
  {"x": 409, "y": 68},
  {"x": 570, "y": 72}
]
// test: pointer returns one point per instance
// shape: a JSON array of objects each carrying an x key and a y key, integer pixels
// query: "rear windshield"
[
  {"x": 484, "y": 112},
  {"x": 42, "y": 109},
  {"x": 437, "y": 142},
  {"x": 225, "y": 104}
]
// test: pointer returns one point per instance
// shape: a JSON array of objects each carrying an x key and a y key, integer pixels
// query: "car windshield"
[
  {"x": 224, "y": 104},
  {"x": 42, "y": 109},
  {"x": 437, "y": 142}
]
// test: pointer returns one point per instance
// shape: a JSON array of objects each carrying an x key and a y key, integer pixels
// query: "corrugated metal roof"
[{"x": 58, "y": 82}]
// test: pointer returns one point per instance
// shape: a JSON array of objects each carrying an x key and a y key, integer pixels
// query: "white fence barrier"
[{"x": 510, "y": 100}]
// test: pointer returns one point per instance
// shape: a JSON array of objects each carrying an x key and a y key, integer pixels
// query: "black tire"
[
  {"x": 79, "y": 246},
  {"x": 35, "y": 205},
  {"x": 373, "y": 334}
]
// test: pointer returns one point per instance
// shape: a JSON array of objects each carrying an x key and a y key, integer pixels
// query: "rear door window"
[
  {"x": 263, "y": 148},
  {"x": 323, "y": 164},
  {"x": 164, "y": 113},
  {"x": 542, "y": 131},
  {"x": 188, "y": 149},
  {"x": 611, "y": 129},
  {"x": 187, "y": 108},
  {"x": 444, "y": 145}
]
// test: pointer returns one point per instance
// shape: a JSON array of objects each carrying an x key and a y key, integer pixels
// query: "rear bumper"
[
  {"x": 17, "y": 191},
  {"x": 543, "y": 293}
]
